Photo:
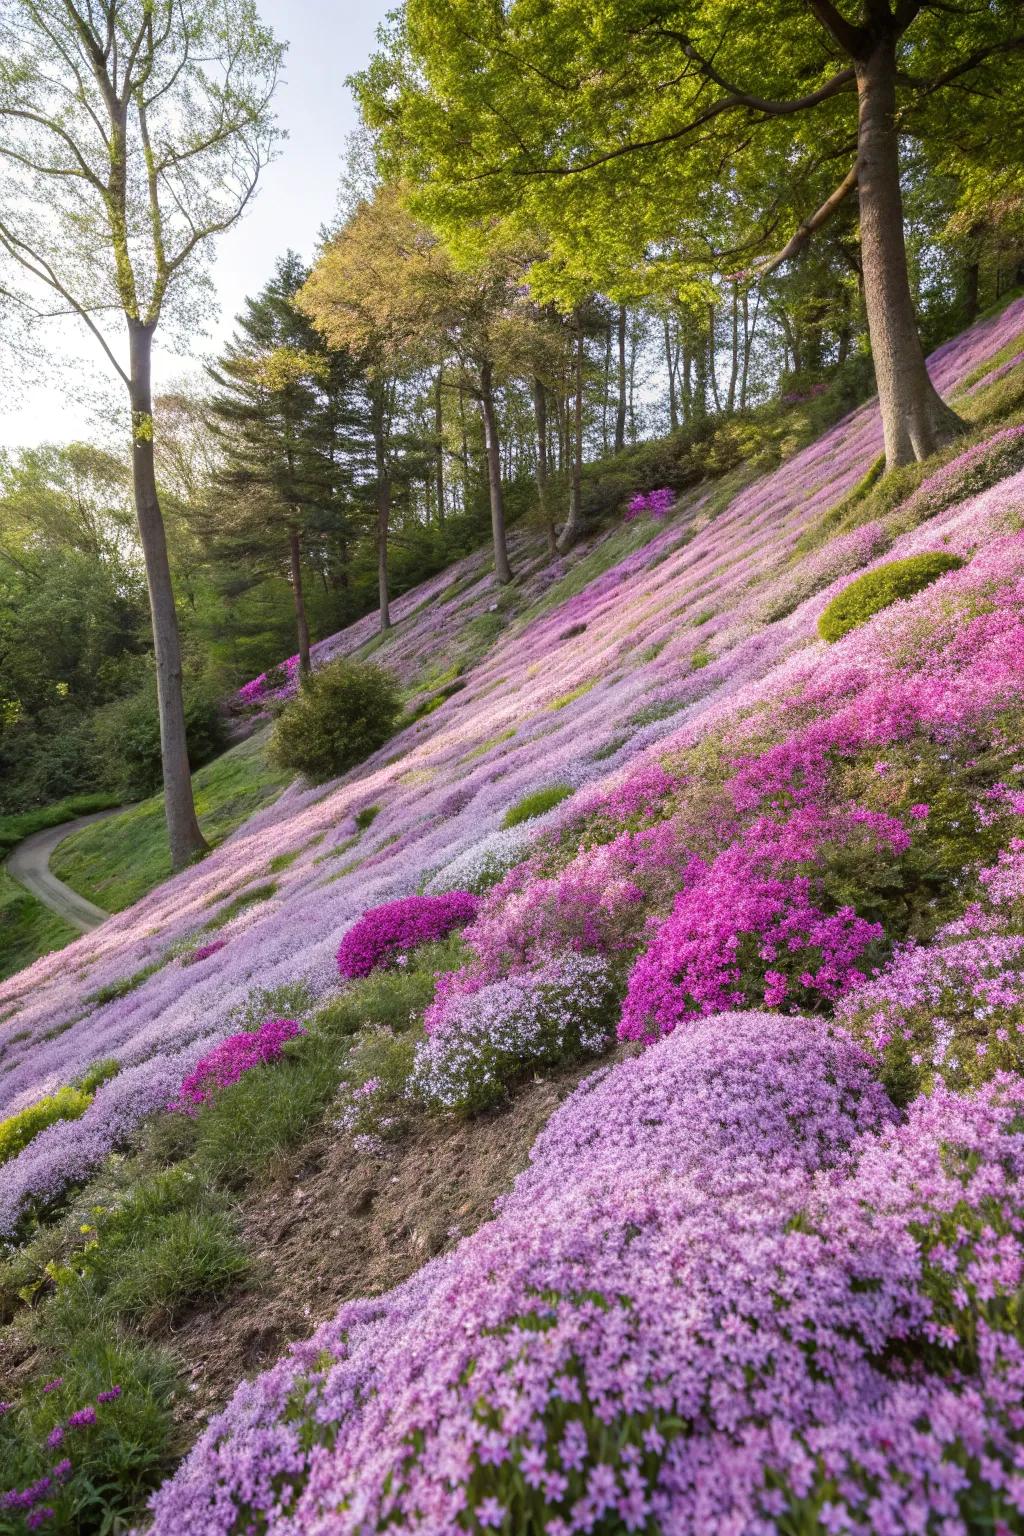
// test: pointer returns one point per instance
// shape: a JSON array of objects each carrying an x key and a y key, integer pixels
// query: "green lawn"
[
  {"x": 117, "y": 861},
  {"x": 27, "y": 928},
  {"x": 16, "y": 827}
]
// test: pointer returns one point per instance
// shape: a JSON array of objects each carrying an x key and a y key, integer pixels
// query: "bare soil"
[{"x": 334, "y": 1225}]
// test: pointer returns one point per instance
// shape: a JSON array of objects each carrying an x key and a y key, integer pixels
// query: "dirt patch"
[{"x": 335, "y": 1225}]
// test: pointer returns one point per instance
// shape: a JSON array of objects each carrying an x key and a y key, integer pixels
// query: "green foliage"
[
  {"x": 126, "y": 984},
  {"x": 27, "y": 928},
  {"x": 99, "y": 1073},
  {"x": 340, "y": 715},
  {"x": 240, "y": 902},
  {"x": 128, "y": 739},
  {"x": 117, "y": 861},
  {"x": 536, "y": 804},
  {"x": 876, "y": 589},
  {"x": 366, "y": 817},
  {"x": 18, "y": 1130}
]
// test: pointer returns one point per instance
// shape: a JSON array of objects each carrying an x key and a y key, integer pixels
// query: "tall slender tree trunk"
[
  {"x": 574, "y": 522},
  {"x": 620, "y": 407},
  {"x": 301, "y": 622},
  {"x": 502, "y": 569},
  {"x": 673, "y": 406},
  {"x": 183, "y": 832},
  {"x": 540, "y": 408},
  {"x": 607, "y": 386},
  {"x": 915, "y": 420},
  {"x": 439, "y": 447},
  {"x": 383, "y": 517},
  {"x": 734, "y": 365},
  {"x": 713, "y": 358}
]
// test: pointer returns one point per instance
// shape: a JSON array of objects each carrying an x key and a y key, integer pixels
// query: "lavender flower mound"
[
  {"x": 479, "y": 1041},
  {"x": 226, "y": 1063},
  {"x": 696, "y": 1311},
  {"x": 384, "y": 933}
]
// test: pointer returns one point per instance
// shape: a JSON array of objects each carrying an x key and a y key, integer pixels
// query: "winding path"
[{"x": 29, "y": 864}]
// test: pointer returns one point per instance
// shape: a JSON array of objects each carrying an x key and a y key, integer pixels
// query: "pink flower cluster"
[
  {"x": 195, "y": 956},
  {"x": 226, "y": 1063},
  {"x": 385, "y": 933},
  {"x": 258, "y": 690},
  {"x": 658, "y": 503}
]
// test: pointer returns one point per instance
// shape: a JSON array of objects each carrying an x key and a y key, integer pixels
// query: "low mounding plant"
[
  {"x": 536, "y": 804},
  {"x": 480, "y": 1041},
  {"x": 385, "y": 933},
  {"x": 18, "y": 1130},
  {"x": 876, "y": 589},
  {"x": 339, "y": 716},
  {"x": 226, "y": 1063}
]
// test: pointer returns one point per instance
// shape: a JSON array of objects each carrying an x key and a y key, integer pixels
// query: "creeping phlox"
[
  {"x": 697, "y": 1311},
  {"x": 226, "y": 1063},
  {"x": 384, "y": 933},
  {"x": 657, "y": 503}
]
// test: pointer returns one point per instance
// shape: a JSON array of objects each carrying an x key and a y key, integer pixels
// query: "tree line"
[{"x": 568, "y": 230}]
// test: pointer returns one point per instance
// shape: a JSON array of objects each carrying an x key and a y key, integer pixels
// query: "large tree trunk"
[
  {"x": 186, "y": 839},
  {"x": 502, "y": 569},
  {"x": 383, "y": 518},
  {"x": 915, "y": 421},
  {"x": 540, "y": 407},
  {"x": 301, "y": 622},
  {"x": 574, "y": 522},
  {"x": 620, "y": 408}
]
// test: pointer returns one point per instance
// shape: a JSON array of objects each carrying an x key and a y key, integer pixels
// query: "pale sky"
[{"x": 328, "y": 39}]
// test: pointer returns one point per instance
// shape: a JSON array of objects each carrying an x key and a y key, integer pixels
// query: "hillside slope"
[{"x": 756, "y": 820}]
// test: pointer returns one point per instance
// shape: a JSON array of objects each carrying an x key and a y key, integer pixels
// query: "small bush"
[
  {"x": 536, "y": 804},
  {"x": 18, "y": 1130},
  {"x": 366, "y": 817},
  {"x": 99, "y": 1073},
  {"x": 385, "y": 934},
  {"x": 876, "y": 589},
  {"x": 340, "y": 715}
]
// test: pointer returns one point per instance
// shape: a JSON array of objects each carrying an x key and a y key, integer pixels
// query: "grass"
[
  {"x": 27, "y": 928},
  {"x": 536, "y": 804},
  {"x": 14, "y": 828},
  {"x": 117, "y": 861}
]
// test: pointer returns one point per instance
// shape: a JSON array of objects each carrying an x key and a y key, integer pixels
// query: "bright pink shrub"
[
  {"x": 226, "y": 1063},
  {"x": 384, "y": 933}
]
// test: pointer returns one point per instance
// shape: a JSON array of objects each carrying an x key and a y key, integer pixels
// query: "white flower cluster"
[
  {"x": 485, "y": 862},
  {"x": 488, "y": 1037}
]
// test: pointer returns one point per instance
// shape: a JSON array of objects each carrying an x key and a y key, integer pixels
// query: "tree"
[
  {"x": 281, "y": 402},
  {"x": 386, "y": 288},
  {"x": 671, "y": 122},
  {"x": 132, "y": 132}
]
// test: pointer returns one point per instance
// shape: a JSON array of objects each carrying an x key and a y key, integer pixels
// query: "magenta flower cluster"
[
  {"x": 259, "y": 690},
  {"x": 195, "y": 956},
  {"x": 657, "y": 503},
  {"x": 29, "y": 1500},
  {"x": 383, "y": 934},
  {"x": 226, "y": 1063}
]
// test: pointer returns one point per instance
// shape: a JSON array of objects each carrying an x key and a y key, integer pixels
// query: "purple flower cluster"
[
  {"x": 385, "y": 933},
  {"x": 658, "y": 503},
  {"x": 226, "y": 1063},
  {"x": 730, "y": 1294},
  {"x": 29, "y": 1500}
]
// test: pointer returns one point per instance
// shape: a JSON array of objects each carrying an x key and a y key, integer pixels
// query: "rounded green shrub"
[
  {"x": 876, "y": 589},
  {"x": 339, "y": 716}
]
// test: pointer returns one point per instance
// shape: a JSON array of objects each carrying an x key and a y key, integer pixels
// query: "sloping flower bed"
[{"x": 729, "y": 1295}]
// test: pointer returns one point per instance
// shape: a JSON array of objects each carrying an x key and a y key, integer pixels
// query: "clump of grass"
[
  {"x": 564, "y": 699},
  {"x": 536, "y": 804},
  {"x": 245, "y": 899},
  {"x": 366, "y": 817},
  {"x": 116, "y": 989},
  {"x": 700, "y": 658}
]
